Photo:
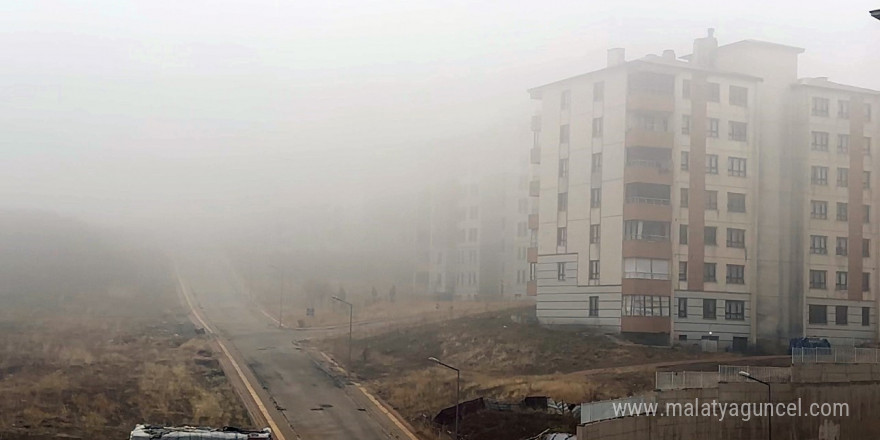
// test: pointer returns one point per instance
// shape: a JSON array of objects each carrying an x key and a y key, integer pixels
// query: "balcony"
[
  {"x": 536, "y": 123},
  {"x": 532, "y": 255},
  {"x": 647, "y": 202},
  {"x": 535, "y": 155},
  {"x": 650, "y": 101},
  {"x": 648, "y": 165},
  {"x": 534, "y": 188},
  {"x": 533, "y": 221},
  {"x": 640, "y": 137}
]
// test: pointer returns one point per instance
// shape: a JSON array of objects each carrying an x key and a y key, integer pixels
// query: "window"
[
  {"x": 472, "y": 234},
  {"x": 818, "y": 314},
  {"x": 597, "y": 127},
  {"x": 842, "y": 177},
  {"x": 598, "y": 91},
  {"x": 866, "y": 316},
  {"x": 560, "y": 271},
  {"x": 685, "y": 160},
  {"x": 594, "y": 269},
  {"x": 866, "y": 282},
  {"x": 738, "y": 131},
  {"x": 739, "y": 96},
  {"x": 596, "y": 162},
  {"x": 594, "y": 306},
  {"x": 564, "y": 133},
  {"x": 736, "y": 166},
  {"x": 818, "y": 244},
  {"x": 736, "y": 238},
  {"x": 594, "y": 234},
  {"x": 709, "y": 272},
  {"x": 711, "y": 164},
  {"x": 533, "y": 271},
  {"x": 646, "y": 268},
  {"x": 595, "y": 197},
  {"x": 820, "y": 107},
  {"x": 818, "y": 209},
  {"x": 563, "y": 167},
  {"x": 867, "y": 210},
  {"x": 867, "y": 112},
  {"x": 867, "y": 149},
  {"x": 682, "y": 271},
  {"x": 736, "y": 274},
  {"x": 842, "y": 280},
  {"x": 736, "y": 202},
  {"x": 820, "y": 141},
  {"x": 685, "y": 197},
  {"x": 713, "y": 93},
  {"x": 843, "y": 143},
  {"x": 843, "y": 109},
  {"x": 734, "y": 310},
  {"x": 682, "y": 234},
  {"x": 685, "y": 124},
  {"x": 817, "y": 279},
  {"x": 686, "y": 89},
  {"x": 645, "y": 230},
  {"x": 713, "y": 128},
  {"x": 819, "y": 175},
  {"x": 866, "y": 247},
  {"x": 562, "y": 201},
  {"x": 842, "y": 211},
  {"x": 712, "y": 200},
  {"x": 474, "y": 212},
  {"x": 708, "y": 308},
  {"x": 866, "y": 179},
  {"x": 565, "y": 100},
  {"x": 648, "y": 122},
  {"x": 645, "y": 305},
  {"x": 710, "y": 236},
  {"x": 840, "y": 317},
  {"x": 561, "y": 237},
  {"x": 522, "y": 229},
  {"x": 842, "y": 247},
  {"x": 682, "y": 307}
]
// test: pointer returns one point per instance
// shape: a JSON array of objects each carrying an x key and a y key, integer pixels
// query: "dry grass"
[{"x": 88, "y": 375}]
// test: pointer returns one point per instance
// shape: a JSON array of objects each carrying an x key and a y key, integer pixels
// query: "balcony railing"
[
  {"x": 664, "y": 166},
  {"x": 647, "y": 237},
  {"x": 646, "y": 275},
  {"x": 647, "y": 200}
]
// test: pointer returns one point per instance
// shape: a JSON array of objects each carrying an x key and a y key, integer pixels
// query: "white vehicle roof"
[{"x": 152, "y": 432}]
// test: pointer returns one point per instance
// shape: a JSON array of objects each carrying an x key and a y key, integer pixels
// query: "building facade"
[{"x": 683, "y": 199}]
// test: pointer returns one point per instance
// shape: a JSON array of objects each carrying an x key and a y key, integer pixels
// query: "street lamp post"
[
  {"x": 748, "y": 376},
  {"x": 280, "y": 295},
  {"x": 457, "y": 388},
  {"x": 350, "y": 320}
]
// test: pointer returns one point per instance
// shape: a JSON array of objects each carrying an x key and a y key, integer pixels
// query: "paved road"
[{"x": 316, "y": 405}]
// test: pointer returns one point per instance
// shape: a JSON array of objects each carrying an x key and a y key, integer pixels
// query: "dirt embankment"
[{"x": 500, "y": 359}]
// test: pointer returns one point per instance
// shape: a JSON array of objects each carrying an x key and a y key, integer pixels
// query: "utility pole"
[
  {"x": 350, "y": 321},
  {"x": 457, "y": 389},
  {"x": 748, "y": 376}
]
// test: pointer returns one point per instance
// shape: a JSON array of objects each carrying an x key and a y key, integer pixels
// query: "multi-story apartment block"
[
  {"x": 710, "y": 197},
  {"x": 475, "y": 237}
]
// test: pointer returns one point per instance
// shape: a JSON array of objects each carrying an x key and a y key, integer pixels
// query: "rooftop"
[{"x": 822, "y": 82}]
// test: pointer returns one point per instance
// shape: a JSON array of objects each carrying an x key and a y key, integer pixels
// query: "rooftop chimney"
[
  {"x": 616, "y": 56},
  {"x": 704, "y": 50},
  {"x": 669, "y": 54}
]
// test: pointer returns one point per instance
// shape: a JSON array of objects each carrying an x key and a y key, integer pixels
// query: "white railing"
[
  {"x": 604, "y": 409},
  {"x": 730, "y": 373},
  {"x": 836, "y": 355},
  {"x": 647, "y": 200},
  {"x": 680, "y": 380}
]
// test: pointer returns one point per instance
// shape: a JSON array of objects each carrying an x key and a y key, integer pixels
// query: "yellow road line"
[{"x": 276, "y": 433}]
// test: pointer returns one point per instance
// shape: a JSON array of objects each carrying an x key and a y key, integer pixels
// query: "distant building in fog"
[
  {"x": 716, "y": 196},
  {"x": 473, "y": 236}
]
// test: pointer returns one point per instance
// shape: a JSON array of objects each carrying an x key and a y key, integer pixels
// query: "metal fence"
[
  {"x": 680, "y": 380},
  {"x": 836, "y": 355},
  {"x": 605, "y": 409},
  {"x": 730, "y": 373}
]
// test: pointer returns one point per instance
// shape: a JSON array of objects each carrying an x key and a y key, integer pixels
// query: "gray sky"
[{"x": 129, "y": 111}]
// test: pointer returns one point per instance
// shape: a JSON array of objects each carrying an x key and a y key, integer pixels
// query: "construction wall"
[{"x": 857, "y": 385}]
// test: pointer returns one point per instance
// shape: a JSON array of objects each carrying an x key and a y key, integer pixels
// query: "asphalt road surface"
[{"x": 315, "y": 404}]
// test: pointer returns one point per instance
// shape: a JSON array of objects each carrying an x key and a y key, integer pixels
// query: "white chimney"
[
  {"x": 669, "y": 54},
  {"x": 616, "y": 56}
]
